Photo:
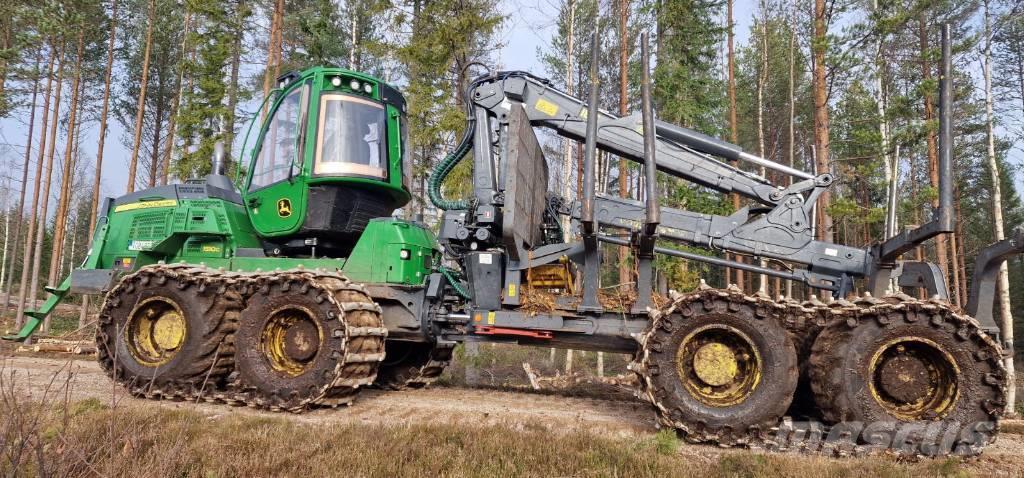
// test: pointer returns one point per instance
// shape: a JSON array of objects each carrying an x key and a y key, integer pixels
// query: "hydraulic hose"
[
  {"x": 445, "y": 167},
  {"x": 447, "y": 273}
]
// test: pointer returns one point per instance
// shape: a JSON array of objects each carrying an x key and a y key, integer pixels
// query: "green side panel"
[
  {"x": 210, "y": 231},
  {"x": 379, "y": 258},
  {"x": 193, "y": 231}
]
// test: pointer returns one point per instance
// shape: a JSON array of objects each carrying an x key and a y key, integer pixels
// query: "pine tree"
[
  {"x": 447, "y": 36},
  {"x": 140, "y": 109},
  {"x": 203, "y": 111},
  {"x": 821, "y": 115},
  {"x": 34, "y": 217},
  {"x": 24, "y": 183}
]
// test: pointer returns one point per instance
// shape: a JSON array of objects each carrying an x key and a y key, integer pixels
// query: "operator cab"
[{"x": 330, "y": 156}]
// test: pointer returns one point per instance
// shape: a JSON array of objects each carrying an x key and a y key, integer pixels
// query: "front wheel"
[{"x": 164, "y": 332}]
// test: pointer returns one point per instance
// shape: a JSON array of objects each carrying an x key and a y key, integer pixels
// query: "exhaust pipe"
[
  {"x": 217, "y": 177},
  {"x": 218, "y": 159}
]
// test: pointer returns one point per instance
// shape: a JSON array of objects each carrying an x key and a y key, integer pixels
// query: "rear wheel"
[
  {"x": 164, "y": 332},
  {"x": 718, "y": 370},
  {"x": 307, "y": 340},
  {"x": 926, "y": 380}
]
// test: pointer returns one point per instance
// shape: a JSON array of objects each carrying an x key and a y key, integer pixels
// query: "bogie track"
[
  {"x": 276, "y": 340},
  {"x": 906, "y": 376}
]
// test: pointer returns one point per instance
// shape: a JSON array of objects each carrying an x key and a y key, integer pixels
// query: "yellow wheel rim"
[
  {"x": 718, "y": 365},
  {"x": 291, "y": 340},
  {"x": 913, "y": 378},
  {"x": 156, "y": 330}
]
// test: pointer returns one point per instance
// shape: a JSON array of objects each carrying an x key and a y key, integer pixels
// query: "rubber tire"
[
  {"x": 205, "y": 358},
  {"x": 276, "y": 389},
  {"x": 732, "y": 424},
  {"x": 839, "y": 367},
  {"x": 403, "y": 363}
]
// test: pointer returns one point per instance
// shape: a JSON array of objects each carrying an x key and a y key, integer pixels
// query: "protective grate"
[{"x": 151, "y": 225}]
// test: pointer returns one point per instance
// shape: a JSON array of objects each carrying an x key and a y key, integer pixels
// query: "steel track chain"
[
  {"x": 439, "y": 357},
  {"x": 352, "y": 304},
  {"x": 804, "y": 320}
]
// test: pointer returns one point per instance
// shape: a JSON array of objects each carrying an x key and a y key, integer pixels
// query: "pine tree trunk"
[
  {"x": 141, "y": 103},
  {"x": 44, "y": 200},
  {"x": 273, "y": 48},
  {"x": 821, "y": 118},
  {"x": 165, "y": 163},
  {"x": 97, "y": 179},
  {"x": 1006, "y": 314},
  {"x": 957, "y": 250},
  {"x": 762, "y": 78},
  {"x": 567, "y": 159},
  {"x": 883, "y": 132},
  {"x": 34, "y": 214},
  {"x": 792, "y": 108},
  {"x": 154, "y": 148},
  {"x": 7, "y": 237},
  {"x": 98, "y": 176},
  {"x": 933, "y": 149},
  {"x": 733, "y": 125},
  {"x": 66, "y": 176},
  {"x": 352, "y": 41},
  {"x": 236, "y": 60},
  {"x": 5, "y": 43},
  {"x": 70, "y": 224},
  {"x": 960, "y": 262},
  {"x": 24, "y": 185}
]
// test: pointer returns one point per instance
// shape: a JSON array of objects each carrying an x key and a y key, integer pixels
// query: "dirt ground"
[
  {"x": 39, "y": 377},
  {"x": 434, "y": 405}
]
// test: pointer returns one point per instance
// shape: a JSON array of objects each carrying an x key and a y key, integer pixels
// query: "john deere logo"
[{"x": 284, "y": 207}]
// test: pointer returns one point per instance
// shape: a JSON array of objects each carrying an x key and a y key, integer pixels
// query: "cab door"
[{"x": 276, "y": 192}]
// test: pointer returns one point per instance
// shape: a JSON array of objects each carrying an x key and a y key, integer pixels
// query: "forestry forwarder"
[{"x": 298, "y": 288}]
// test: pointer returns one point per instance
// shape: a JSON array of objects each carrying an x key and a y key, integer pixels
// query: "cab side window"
[{"x": 279, "y": 149}]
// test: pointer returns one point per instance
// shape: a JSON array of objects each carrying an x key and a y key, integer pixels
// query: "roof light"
[
  {"x": 354, "y": 84},
  {"x": 336, "y": 81},
  {"x": 368, "y": 88}
]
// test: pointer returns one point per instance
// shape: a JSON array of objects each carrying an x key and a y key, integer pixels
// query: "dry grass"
[{"x": 90, "y": 438}]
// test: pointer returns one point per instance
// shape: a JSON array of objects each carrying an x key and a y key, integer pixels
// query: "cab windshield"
[{"x": 351, "y": 140}]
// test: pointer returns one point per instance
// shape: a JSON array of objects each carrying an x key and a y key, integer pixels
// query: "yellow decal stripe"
[
  {"x": 546, "y": 107},
  {"x": 146, "y": 205}
]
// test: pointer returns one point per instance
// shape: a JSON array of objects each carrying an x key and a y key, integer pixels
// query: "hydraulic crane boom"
[
  {"x": 781, "y": 229},
  {"x": 504, "y": 109}
]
